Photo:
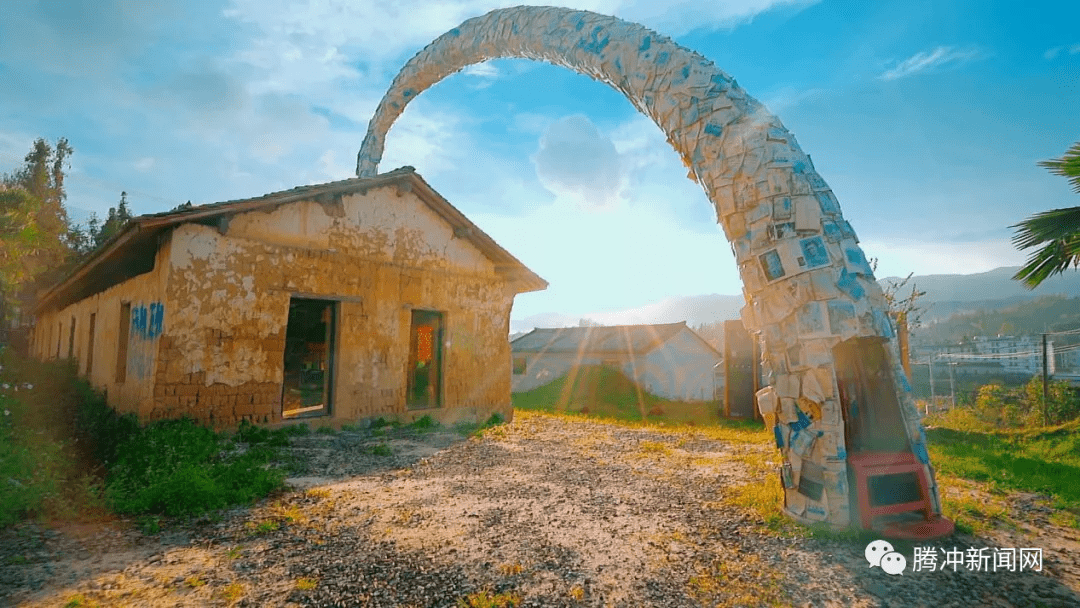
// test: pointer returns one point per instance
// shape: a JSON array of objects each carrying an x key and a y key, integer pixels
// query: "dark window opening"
[
  {"x": 122, "y": 344},
  {"x": 424, "y": 380},
  {"x": 71, "y": 339},
  {"x": 59, "y": 337},
  {"x": 90, "y": 344},
  {"x": 519, "y": 366},
  {"x": 309, "y": 356}
]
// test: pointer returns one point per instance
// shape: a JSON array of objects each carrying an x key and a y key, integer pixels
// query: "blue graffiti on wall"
[
  {"x": 146, "y": 321},
  {"x": 146, "y": 324}
]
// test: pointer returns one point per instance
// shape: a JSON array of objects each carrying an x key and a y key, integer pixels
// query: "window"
[
  {"x": 424, "y": 380},
  {"x": 122, "y": 345},
  {"x": 71, "y": 339},
  {"x": 90, "y": 344},
  {"x": 519, "y": 366},
  {"x": 309, "y": 356}
]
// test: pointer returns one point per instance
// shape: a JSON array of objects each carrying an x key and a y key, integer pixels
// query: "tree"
[
  {"x": 900, "y": 306},
  {"x": 34, "y": 226},
  {"x": 713, "y": 333},
  {"x": 1057, "y": 231},
  {"x": 114, "y": 223}
]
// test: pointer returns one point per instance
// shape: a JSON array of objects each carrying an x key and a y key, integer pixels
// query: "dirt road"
[{"x": 545, "y": 511}]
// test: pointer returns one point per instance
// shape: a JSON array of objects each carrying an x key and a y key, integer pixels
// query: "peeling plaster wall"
[
  {"x": 380, "y": 254},
  {"x": 148, "y": 321}
]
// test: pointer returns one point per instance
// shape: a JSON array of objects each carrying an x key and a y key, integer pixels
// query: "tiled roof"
[
  {"x": 132, "y": 251},
  {"x": 622, "y": 339}
]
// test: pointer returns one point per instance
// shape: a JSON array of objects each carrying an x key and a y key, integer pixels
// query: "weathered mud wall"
[
  {"x": 379, "y": 255},
  {"x": 101, "y": 358}
]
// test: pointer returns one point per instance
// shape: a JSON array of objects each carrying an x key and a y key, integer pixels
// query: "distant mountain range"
[
  {"x": 949, "y": 294},
  {"x": 946, "y": 295}
]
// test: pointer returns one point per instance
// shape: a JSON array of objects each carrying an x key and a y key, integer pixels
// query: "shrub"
[
  {"x": 253, "y": 435},
  {"x": 100, "y": 426},
  {"x": 30, "y": 473},
  {"x": 176, "y": 467},
  {"x": 33, "y": 464},
  {"x": 426, "y": 423}
]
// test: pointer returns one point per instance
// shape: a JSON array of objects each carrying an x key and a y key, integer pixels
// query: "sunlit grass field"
[
  {"x": 604, "y": 392},
  {"x": 1042, "y": 460},
  {"x": 977, "y": 466}
]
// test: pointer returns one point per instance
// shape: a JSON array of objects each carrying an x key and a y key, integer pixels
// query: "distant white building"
[
  {"x": 1011, "y": 355},
  {"x": 669, "y": 360}
]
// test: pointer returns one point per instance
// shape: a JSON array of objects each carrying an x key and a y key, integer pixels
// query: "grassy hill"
[{"x": 607, "y": 393}]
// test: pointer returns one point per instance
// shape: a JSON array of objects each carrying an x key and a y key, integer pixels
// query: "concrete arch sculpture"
[{"x": 807, "y": 283}]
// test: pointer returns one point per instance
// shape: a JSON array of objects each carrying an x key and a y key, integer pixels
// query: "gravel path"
[{"x": 545, "y": 511}]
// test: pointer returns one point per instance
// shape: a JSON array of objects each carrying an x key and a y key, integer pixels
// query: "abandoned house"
[
  {"x": 669, "y": 360},
  {"x": 355, "y": 299}
]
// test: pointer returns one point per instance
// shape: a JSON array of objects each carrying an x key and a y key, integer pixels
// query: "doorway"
[
  {"x": 309, "y": 358},
  {"x": 872, "y": 418},
  {"x": 424, "y": 379}
]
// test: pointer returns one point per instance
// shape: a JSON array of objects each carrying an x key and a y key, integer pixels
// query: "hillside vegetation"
[{"x": 1045, "y": 314}]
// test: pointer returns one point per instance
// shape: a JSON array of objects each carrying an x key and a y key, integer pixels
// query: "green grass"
[
  {"x": 1044, "y": 460},
  {"x": 176, "y": 467},
  {"x": 603, "y": 392},
  {"x": 40, "y": 471},
  {"x": 378, "y": 449},
  {"x": 470, "y": 429},
  {"x": 425, "y": 423},
  {"x": 64, "y": 452}
]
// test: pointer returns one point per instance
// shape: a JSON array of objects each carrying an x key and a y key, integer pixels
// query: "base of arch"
[{"x": 896, "y": 529}]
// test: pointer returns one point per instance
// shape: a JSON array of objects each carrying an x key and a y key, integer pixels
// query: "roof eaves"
[{"x": 116, "y": 242}]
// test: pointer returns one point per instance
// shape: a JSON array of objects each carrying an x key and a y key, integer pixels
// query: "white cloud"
[
  {"x": 482, "y": 75},
  {"x": 315, "y": 42},
  {"x": 656, "y": 176},
  {"x": 1053, "y": 52},
  {"x": 678, "y": 17},
  {"x": 576, "y": 160},
  {"x": 898, "y": 257},
  {"x": 144, "y": 164},
  {"x": 432, "y": 140},
  {"x": 924, "y": 61},
  {"x": 784, "y": 98}
]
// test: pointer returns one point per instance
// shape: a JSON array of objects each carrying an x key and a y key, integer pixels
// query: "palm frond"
[
  {"x": 1054, "y": 258},
  {"x": 1046, "y": 226},
  {"x": 1066, "y": 166}
]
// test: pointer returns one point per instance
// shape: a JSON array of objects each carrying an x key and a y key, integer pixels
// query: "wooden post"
[
  {"x": 905, "y": 343},
  {"x": 1046, "y": 377}
]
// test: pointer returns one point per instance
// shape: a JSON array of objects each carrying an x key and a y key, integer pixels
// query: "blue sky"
[{"x": 927, "y": 120}]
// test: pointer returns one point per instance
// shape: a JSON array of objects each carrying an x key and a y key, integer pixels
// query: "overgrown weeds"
[
  {"x": 41, "y": 474},
  {"x": 178, "y": 468},
  {"x": 64, "y": 450}
]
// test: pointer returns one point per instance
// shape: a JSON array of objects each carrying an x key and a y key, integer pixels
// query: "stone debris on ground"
[{"x": 546, "y": 511}]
